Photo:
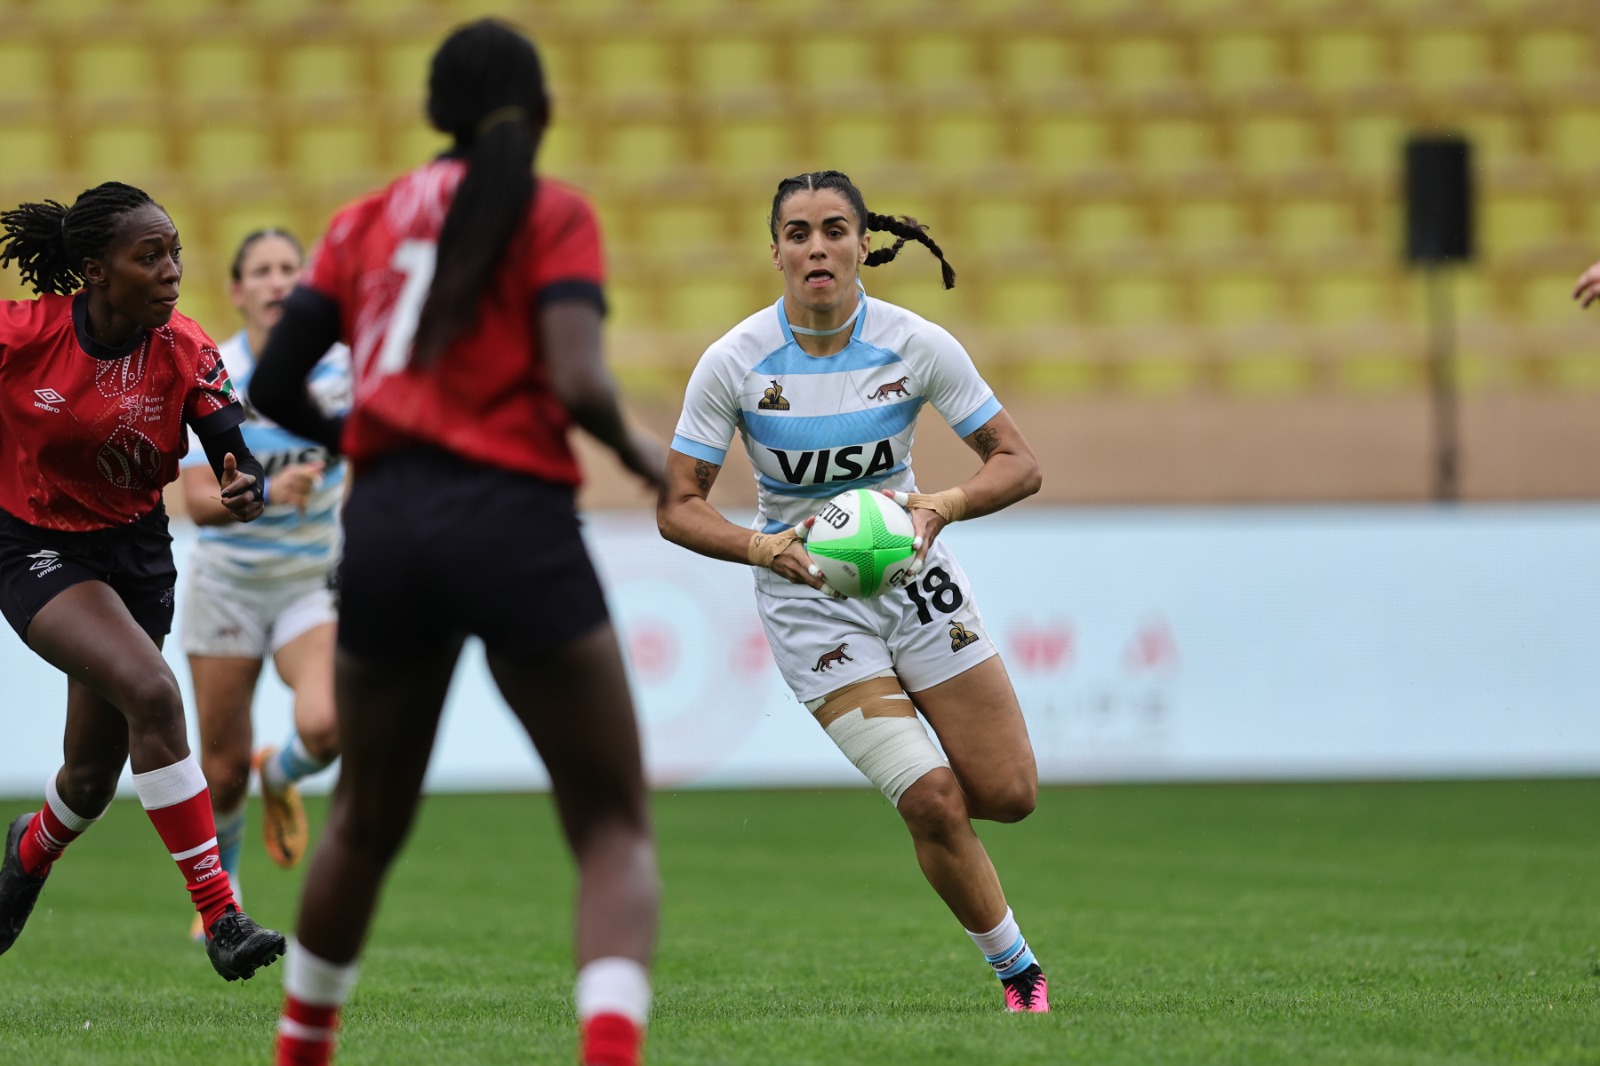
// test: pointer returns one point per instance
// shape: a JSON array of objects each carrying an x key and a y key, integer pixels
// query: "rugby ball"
[{"x": 863, "y": 542}]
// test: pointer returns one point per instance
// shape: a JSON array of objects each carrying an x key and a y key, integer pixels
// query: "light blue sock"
[
  {"x": 292, "y": 763},
  {"x": 230, "y": 842}
]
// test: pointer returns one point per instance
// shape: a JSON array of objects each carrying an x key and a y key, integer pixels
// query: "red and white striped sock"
[
  {"x": 52, "y": 829},
  {"x": 613, "y": 999},
  {"x": 314, "y": 990},
  {"x": 178, "y": 802}
]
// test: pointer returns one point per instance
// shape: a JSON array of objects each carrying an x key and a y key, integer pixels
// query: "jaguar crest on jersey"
[
  {"x": 891, "y": 388},
  {"x": 772, "y": 398}
]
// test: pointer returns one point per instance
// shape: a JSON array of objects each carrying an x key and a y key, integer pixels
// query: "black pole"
[{"x": 1442, "y": 376}]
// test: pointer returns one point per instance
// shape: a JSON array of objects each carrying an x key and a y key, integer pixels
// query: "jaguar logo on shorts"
[
  {"x": 772, "y": 399},
  {"x": 828, "y": 658},
  {"x": 961, "y": 636},
  {"x": 45, "y": 562}
]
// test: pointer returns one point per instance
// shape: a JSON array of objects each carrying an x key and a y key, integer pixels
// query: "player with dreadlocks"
[
  {"x": 825, "y": 387},
  {"x": 99, "y": 376}
]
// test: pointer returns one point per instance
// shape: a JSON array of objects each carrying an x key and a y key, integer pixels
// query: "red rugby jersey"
[
  {"x": 90, "y": 434},
  {"x": 488, "y": 396}
]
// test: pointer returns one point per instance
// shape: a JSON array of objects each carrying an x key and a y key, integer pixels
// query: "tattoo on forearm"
[
  {"x": 703, "y": 473},
  {"x": 986, "y": 441}
]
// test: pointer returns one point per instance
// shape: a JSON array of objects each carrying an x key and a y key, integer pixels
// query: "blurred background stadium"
[{"x": 1177, "y": 222}]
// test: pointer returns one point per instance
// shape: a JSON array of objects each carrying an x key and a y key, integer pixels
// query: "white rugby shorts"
[
  {"x": 250, "y": 620},
  {"x": 927, "y": 633}
]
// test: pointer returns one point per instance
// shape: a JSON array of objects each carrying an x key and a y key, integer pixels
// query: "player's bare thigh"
[{"x": 979, "y": 723}]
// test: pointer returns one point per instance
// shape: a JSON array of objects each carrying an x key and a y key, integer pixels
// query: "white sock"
[
  {"x": 614, "y": 985},
  {"x": 315, "y": 981},
  {"x": 1004, "y": 948}
]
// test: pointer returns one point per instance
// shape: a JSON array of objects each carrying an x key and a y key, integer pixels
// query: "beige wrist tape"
[
  {"x": 951, "y": 504},
  {"x": 765, "y": 547}
]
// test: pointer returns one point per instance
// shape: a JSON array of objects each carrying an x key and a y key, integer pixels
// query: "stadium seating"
[{"x": 1123, "y": 185}]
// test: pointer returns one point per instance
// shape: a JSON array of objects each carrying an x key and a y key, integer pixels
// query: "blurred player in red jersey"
[
  {"x": 470, "y": 295},
  {"x": 98, "y": 378}
]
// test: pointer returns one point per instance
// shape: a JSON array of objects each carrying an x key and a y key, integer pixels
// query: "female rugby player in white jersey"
[
  {"x": 261, "y": 591},
  {"x": 825, "y": 387}
]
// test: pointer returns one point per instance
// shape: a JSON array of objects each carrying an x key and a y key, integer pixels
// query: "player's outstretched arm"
[{"x": 685, "y": 517}]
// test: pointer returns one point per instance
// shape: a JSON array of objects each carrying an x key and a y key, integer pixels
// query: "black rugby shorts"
[
  {"x": 437, "y": 547},
  {"x": 37, "y": 565}
]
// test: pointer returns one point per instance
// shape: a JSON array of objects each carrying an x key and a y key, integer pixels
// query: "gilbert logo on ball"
[{"x": 863, "y": 542}]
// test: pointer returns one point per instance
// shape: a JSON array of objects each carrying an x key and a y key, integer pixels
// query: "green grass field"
[{"x": 1364, "y": 923}]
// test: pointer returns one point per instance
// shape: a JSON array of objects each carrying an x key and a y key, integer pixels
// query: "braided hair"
[
  {"x": 903, "y": 227},
  {"x": 50, "y": 241},
  {"x": 485, "y": 89}
]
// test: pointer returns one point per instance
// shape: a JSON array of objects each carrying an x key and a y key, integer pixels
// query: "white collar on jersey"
[{"x": 861, "y": 301}]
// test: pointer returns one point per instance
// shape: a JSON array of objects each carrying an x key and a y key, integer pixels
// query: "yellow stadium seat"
[
  {"x": 1273, "y": 144},
  {"x": 1174, "y": 145},
  {"x": 1061, "y": 144},
  {"x": 1338, "y": 60},
  {"x": 1099, "y": 226},
  {"x": 632, "y": 64},
  {"x": 1313, "y": 224},
  {"x": 960, "y": 141},
  {"x": 935, "y": 60},
  {"x": 33, "y": 153},
  {"x": 1513, "y": 223},
  {"x": 1339, "y": 298},
  {"x": 1572, "y": 140},
  {"x": 25, "y": 76},
  {"x": 1138, "y": 300},
  {"x": 708, "y": 305},
  {"x": 856, "y": 141},
  {"x": 1035, "y": 62},
  {"x": 129, "y": 151},
  {"x": 733, "y": 64},
  {"x": 1237, "y": 295},
  {"x": 1028, "y": 299},
  {"x": 120, "y": 73},
  {"x": 755, "y": 146},
  {"x": 1137, "y": 62},
  {"x": 1371, "y": 144},
  {"x": 1447, "y": 58},
  {"x": 221, "y": 151},
  {"x": 1206, "y": 223},
  {"x": 317, "y": 73},
  {"x": 335, "y": 151},
  {"x": 1555, "y": 56},
  {"x": 218, "y": 72},
  {"x": 833, "y": 63},
  {"x": 670, "y": 226},
  {"x": 642, "y": 147},
  {"x": 1243, "y": 60},
  {"x": 403, "y": 62},
  {"x": 994, "y": 224}
]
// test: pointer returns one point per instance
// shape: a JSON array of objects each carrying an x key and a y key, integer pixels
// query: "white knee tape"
[{"x": 892, "y": 752}]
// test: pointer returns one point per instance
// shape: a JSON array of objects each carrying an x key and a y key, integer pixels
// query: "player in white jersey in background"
[
  {"x": 824, "y": 388},
  {"x": 263, "y": 590}
]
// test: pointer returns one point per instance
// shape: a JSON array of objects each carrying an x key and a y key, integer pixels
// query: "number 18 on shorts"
[{"x": 928, "y": 632}]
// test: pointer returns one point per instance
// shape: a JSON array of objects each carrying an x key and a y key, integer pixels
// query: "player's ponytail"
[
  {"x": 485, "y": 89},
  {"x": 904, "y": 228},
  {"x": 49, "y": 241}
]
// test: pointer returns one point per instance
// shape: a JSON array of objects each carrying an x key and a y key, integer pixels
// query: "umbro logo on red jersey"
[{"x": 47, "y": 398}]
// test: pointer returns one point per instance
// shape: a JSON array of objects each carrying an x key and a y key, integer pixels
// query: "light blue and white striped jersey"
[
  {"x": 281, "y": 545},
  {"x": 816, "y": 426}
]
